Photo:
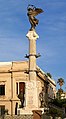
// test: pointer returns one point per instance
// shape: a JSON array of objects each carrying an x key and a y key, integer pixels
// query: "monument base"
[
  {"x": 24, "y": 111},
  {"x": 30, "y": 111}
]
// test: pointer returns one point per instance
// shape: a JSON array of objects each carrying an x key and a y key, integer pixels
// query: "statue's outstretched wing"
[{"x": 36, "y": 11}]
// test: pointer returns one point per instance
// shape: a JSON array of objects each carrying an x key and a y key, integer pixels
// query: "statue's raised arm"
[{"x": 32, "y": 12}]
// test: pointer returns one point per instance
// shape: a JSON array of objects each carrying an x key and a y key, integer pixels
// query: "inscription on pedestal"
[{"x": 30, "y": 93}]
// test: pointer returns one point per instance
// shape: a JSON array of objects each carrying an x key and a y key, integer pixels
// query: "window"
[
  {"x": 2, "y": 109},
  {"x": 20, "y": 91},
  {"x": 19, "y": 86},
  {"x": 2, "y": 89}
]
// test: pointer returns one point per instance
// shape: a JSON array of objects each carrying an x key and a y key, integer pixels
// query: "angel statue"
[{"x": 32, "y": 12}]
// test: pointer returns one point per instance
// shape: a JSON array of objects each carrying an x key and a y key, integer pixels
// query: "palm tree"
[{"x": 61, "y": 82}]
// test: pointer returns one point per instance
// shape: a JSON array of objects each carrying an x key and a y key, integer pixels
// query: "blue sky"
[{"x": 51, "y": 29}]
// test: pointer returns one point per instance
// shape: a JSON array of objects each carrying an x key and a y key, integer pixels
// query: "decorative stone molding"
[{"x": 32, "y": 35}]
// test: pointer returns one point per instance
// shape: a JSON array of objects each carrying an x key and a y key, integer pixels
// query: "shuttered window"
[{"x": 20, "y": 86}]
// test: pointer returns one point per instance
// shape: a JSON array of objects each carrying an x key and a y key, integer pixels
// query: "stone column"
[
  {"x": 32, "y": 94},
  {"x": 32, "y": 36}
]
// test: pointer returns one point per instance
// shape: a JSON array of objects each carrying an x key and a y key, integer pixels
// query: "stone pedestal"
[{"x": 31, "y": 95}]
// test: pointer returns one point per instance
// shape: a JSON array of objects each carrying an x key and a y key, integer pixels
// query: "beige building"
[{"x": 14, "y": 77}]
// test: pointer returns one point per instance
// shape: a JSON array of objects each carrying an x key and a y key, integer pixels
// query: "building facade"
[{"x": 14, "y": 77}]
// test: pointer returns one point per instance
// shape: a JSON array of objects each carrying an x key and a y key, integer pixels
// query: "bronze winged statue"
[{"x": 32, "y": 12}]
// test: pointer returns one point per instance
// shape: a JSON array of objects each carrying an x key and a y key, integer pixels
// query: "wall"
[
  {"x": 17, "y": 117},
  {"x": 26, "y": 117}
]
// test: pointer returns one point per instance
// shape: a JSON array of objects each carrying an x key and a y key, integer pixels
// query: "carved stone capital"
[{"x": 32, "y": 35}]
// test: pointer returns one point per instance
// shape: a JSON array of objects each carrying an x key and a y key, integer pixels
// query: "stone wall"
[
  {"x": 17, "y": 117},
  {"x": 26, "y": 117}
]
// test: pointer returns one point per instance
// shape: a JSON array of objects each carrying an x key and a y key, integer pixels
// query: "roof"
[{"x": 5, "y": 63}]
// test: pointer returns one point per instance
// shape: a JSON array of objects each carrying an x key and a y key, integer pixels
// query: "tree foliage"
[
  {"x": 60, "y": 81},
  {"x": 56, "y": 105},
  {"x": 59, "y": 102},
  {"x": 49, "y": 75},
  {"x": 59, "y": 92},
  {"x": 55, "y": 112}
]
